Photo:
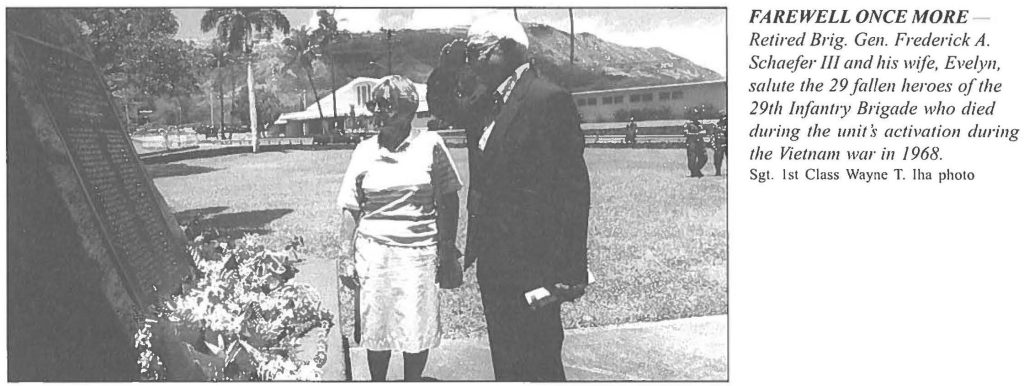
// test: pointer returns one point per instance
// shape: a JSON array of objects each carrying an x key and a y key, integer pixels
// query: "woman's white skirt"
[{"x": 399, "y": 299}]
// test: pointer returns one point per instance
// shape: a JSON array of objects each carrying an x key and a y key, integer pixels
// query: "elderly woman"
[{"x": 401, "y": 190}]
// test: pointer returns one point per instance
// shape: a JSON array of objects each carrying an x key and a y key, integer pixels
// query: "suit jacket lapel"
[{"x": 496, "y": 141}]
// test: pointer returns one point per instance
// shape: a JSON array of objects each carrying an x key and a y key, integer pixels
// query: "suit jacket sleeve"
[{"x": 570, "y": 195}]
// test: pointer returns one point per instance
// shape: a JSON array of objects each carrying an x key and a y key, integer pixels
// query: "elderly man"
[{"x": 528, "y": 203}]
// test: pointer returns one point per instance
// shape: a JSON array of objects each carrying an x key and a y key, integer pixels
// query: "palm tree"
[
  {"x": 301, "y": 49},
  {"x": 221, "y": 60},
  {"x": 325, "y": 35},
  {"x": 235, "y": 27}
]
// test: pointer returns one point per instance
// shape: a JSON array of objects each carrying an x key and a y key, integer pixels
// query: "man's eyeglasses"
[
  {"x": 480, "y": 52},
  {"x": 472, "y": 53}
]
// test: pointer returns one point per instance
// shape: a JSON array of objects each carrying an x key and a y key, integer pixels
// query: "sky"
[{"x": 696, "y": 34}]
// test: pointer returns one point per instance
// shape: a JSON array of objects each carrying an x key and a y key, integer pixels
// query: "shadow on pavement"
[
  {"x": 240, "y": 223},
  {"x": 176, "y": 170},
  {"x": 188, "y": 215},
  {"x": 167, "y": 158}
]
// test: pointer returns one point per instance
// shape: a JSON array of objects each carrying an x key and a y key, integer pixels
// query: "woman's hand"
[
  {"x": 449, "y": 273},
  {"x": 349, "y": 277}
]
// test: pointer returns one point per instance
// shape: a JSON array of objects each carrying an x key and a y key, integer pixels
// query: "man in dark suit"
[{"x": 529, "y": 201}]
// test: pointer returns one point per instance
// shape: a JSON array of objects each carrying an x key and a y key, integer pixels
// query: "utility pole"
[
  {"x": 572, "y": 39},
  {"x": 388, "y": 34},
  {"x": 334, "y": 95},
  {"x": 334, "y": 85}
]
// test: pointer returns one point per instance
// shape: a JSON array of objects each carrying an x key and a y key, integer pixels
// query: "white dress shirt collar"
[{"x": 505, "y": 88}]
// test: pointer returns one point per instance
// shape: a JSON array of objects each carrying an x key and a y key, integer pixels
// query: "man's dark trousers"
[
  {"x": 528, "y": 204},
  {"x": 526, "y": 345}
]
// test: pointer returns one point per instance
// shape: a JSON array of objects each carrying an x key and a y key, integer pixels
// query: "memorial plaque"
[
  {"x": 125, "y": 240},
  {"x": 117, "y": 186}
]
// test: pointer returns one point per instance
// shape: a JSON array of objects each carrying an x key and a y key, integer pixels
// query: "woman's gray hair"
[{"x": 399, "y": 91}]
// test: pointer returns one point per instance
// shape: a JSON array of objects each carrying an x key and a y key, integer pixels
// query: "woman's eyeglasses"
[{"x": 380, "y": 105}]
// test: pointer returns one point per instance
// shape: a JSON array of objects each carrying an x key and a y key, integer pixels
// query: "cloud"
[
  {"x": 395, "y": 18},
  {"x": 363, "y": 20},
  {"x": 442, "y": 18},
  {"x": 702, "y": 43},
  {"x": 355, "y": 20}
]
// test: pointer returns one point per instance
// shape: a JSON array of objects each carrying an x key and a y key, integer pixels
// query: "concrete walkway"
[{"x": 681, "y": 349}]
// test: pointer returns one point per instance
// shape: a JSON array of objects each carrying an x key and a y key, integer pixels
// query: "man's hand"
[
  {"x": 569, "y": 293},
  {"x": 449, "y": 274}
]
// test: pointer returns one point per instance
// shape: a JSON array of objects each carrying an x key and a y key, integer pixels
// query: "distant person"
[
  {"x": 720, "y": 144},
  {"x": 631, "y": 131},
  {"x": 696, "y": 149},
  {"x": 401, "y": 191}
]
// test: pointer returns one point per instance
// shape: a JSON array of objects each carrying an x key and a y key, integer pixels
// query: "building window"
[
  {"x": 664, "y": 96},
  {"x": 366, "y": 94},
  {"x": 606, "y": 100},
  {"x": 618, "y": 99},
  {"x": 592, "y": 101},
  {"x": 677, "y": 95},
  {"x": 581, "y": 102},
  {"x": 648, "y": 97},
  {"x": 634, "y": 98},
  {"x": 362, "y": 94}
]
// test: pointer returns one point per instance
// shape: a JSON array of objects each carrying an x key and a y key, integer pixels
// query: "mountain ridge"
[{"x": 599, "y": 64}]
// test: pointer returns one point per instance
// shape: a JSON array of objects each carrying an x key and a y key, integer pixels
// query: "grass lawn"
[{"x": 657, "y": 238}]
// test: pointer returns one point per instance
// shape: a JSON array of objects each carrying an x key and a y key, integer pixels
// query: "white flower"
[{"x": 309, "y": 372}]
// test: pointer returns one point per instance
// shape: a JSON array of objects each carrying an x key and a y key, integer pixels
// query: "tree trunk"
[
  {"x": 212, "y": 118},
  {"x": 220, "y": 88},
  {"x": 253, "y": 121},
  {"x": 231, "y": 117},
  {"x": 312, "y": 87}
]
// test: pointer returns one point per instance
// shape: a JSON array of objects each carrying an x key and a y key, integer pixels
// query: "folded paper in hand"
[{"x": 541, "y": 297}]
